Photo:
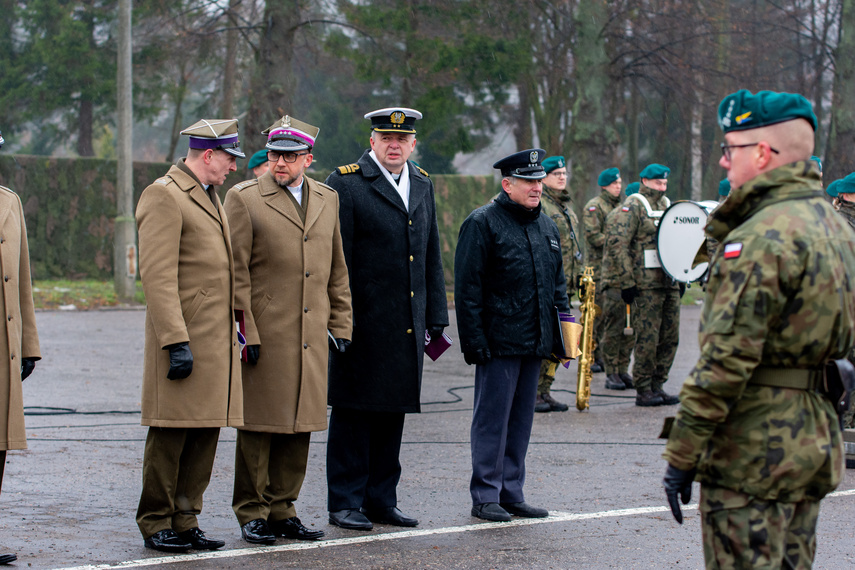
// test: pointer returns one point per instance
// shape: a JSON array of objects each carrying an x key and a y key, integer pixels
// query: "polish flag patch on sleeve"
[
  {"x": 592, "y": 208},
  {"x": 732, "y": 250},
  {"x": 625, "y": 208}
]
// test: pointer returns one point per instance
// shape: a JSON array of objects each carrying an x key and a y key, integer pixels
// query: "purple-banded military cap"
[
  {"x": 217, "y": 134},
  {"x": 290, "y": 135}
]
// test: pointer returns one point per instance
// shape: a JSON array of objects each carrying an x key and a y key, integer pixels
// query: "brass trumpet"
[{"x": 590, "y": 311}]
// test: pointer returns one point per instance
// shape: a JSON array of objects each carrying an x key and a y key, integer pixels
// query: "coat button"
[
  {"x": 411, "y": 258},
  {"x": 13, "y": 357},
  {"x": 409, "y": 331},
  {"x": 412, "y": 294},
  {"x": 9, "y": 318},
  {"x": 305, "y": 238},
  {"x": 411, "y": 222},
  {"x": 307, "y": 273},
  {"x": 5, "y": 278},
  {"x": 305, "y": 309},
  {"x": 305, "y": 346}
]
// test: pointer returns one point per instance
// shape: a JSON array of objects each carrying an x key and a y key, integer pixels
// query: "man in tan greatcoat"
[
  {"x": 19, "y": 344},
  {"x": 292, "y": 287},
  {"x": 191, "y": 373}
]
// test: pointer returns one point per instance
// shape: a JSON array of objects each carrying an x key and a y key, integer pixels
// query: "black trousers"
[
  {"x": 363, "y": 468},
  {"x": 2, "y": 466}
]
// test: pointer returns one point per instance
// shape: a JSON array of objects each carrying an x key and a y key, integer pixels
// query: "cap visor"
[
  {"x": 284, "y": 145},
  {"x": 234, "y": 152},
  {"x": 405, "y": 131}
]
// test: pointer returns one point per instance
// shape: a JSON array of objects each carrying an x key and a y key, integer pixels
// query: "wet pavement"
[{"x": 70, "y": 499}]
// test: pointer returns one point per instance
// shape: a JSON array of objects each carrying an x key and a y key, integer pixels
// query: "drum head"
[{"x": 680, "y": 240}]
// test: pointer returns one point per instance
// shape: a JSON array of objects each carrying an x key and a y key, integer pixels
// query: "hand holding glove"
[
  {"x": 479, "y": 356},
  {"x": 27, "y": 366},
  {"x": 339, "y": 345},
  {"x": 252, "y": 353},
  {"x": 180, "y": 361},
  {"x": 678, "y": 483},
  {"x": 435, "y": 331}
]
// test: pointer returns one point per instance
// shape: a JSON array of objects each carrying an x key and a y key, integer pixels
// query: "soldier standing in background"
[
  {"x": 21, "y": 346},
  {"x": 845, "y": 190},
  {"x": 290, "y": 268},
  {"x": 594, "y": 216},
  {"x": 632, "y": 264},
  {"x": 753, "y": 426},
  {"x": 191, "y": 368},
  {"x": 258, "y": 163},
  {"x": 557, "y": 205}
]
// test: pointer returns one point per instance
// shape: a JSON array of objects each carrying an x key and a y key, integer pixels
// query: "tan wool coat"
[
  {"x": 291, "y": 281},
  {"x": 188, "y": 278},
  {"x": 20, "y": 339}
]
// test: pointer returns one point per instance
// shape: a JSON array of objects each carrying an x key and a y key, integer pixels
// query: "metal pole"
[{"x": 125, "y": 235}]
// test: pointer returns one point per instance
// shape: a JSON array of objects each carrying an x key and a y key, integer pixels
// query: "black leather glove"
[
  {"x": 27, "y": 366},
  {"x": 252, "y": 353},
  {"x": 340, "y": 345},
  {"x": 435, "y": 331},
  {"x": 678, "y": 483},
  {"x": 480, "y": 356},
  {"x": 629, "y": 295},
  {"x": 180, "y": 361},
  {"x": 682, "y": 287}
]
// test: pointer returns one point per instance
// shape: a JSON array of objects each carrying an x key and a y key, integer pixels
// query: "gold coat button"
[
  {"x": 409, "y": 331},
  {"x": 411, "y": 258},
  {"x": 412, "y": 294},
  {"x": 411, "y": 223}
]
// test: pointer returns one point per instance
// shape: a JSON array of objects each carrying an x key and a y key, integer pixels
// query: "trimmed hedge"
[{"x": 70, "y": 206}]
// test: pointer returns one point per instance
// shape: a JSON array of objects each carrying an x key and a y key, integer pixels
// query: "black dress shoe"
[
  {"x": 627, "y": 380},
  {"x": 293, "y": 528},
  {"x": 199, "y": 541},
  {"x": 648, "y": 398},
  {"x": 389, "y": 515},
  {"x": 7, "y": 558},
  {"x": 167, "y": 541},
  {"x": 667, "y": 399},
  {"x": 350, "y": 518},
  {"x": 491, "y": 512},
  {"x": 257, "y": 532},
  {"x": 614, "y": 382},
  {"x": 525, "y": 510}
]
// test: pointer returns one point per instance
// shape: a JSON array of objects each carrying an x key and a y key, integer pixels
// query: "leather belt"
[{"x": 794, "y": 378}]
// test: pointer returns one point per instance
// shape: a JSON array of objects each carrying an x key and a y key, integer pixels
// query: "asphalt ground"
[{"x": 70, "y": 499}]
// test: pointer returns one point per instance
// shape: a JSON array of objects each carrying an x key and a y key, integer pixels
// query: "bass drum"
[{"x": 681, "y": 242}]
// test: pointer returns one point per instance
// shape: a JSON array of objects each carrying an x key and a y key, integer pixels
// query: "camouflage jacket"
[
  {"x": 779, "y": 296},
  {"x": 594, "y": 217},
  {"x": 568, "y": 225},
  {"x": 629, "y": 258},
  {"x": 847, "y": 210}
]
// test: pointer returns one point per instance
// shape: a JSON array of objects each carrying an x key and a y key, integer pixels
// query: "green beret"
[
  {"x": 553, "y": 163},
  {"x": 724, "y": 187},
  {"x": 831, "y": 189},
  {"x": 257, "y": 159},
  {"x": 818, "y": 162},
  {"x": 743, "y": 110},
  {"x": 632, "y": 188},
  {"x": 608, "y": 176},
  {"x": 655, "y": 172},
  {"x": 847, "y": 185}
]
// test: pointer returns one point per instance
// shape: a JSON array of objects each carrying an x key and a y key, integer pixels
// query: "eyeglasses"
[
  {"x": 725, "y": 148},
  {"x": 289, "y": 157},
  {"x": 559, "y": 174}
]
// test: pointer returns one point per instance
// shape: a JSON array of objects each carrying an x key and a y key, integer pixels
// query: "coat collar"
[
  {"x": 419, "y": 184},
  {"x": 188, "y": 182},
  {"x": 274, "y": 196}
]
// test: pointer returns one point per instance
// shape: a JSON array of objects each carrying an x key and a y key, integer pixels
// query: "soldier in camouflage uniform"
[
  {"x": 556, "y": 204},
  {"x": 844, "y": 203},
  {"x": 594, "y": 217},
  {"x": 631, "y": 264},
  {"x": 752, "y": 427}
]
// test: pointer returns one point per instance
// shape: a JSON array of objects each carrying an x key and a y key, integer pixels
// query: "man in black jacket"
[
  {"x": 391, "y": 245},
  {"x": 508, "y": 280}
]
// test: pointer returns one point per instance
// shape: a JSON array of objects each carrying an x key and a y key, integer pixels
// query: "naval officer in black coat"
[
  {"x": 508, "y": 281},
  {"x": 391, "y": 246}
]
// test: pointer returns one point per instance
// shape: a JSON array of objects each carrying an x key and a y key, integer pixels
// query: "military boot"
[
  {"x": 667, "y": 399},
  {"x": 614, "y": 382},
  {"x": 647, "y": 398},
  {"x": 627, "y": 380},
  {"x": 597, "y": 366},
  {"x": 554, "y": 405},
  {"x": 541, "y": 405}
]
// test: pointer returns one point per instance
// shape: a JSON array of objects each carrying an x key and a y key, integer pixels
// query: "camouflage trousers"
[
  {"x": 849, "y": 416},
  {"x": 757, "y": 534},
  {"x": 547, "y": 376},
  {"x": 598, "y": 327},
  {"x": 656, "y": 320},
  {"x": 616, "y": 347}
]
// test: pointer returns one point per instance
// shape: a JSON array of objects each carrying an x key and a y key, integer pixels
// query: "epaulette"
[
  {"x": 423, "y": 171},
  {"x": 246, "y": 183},
  {"x": 348, "y": 169},
  {"x": 163, "y": 180}
]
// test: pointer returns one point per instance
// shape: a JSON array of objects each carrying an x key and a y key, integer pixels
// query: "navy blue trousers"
[
  {"x": 505, "y": 389},
  {"x": 363, "y": 468}
]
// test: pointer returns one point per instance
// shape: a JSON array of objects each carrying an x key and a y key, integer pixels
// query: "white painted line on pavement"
[{"x": 554, "y": 516}]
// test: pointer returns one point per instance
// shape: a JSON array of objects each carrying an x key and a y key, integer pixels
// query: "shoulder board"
[
  {"x": 4, "y": 189},
  {"x": 423, "y": 171},
  {"x": 348, "y": 169},
  {"x": 163, "y": 180},
  {"x": 245, "y": 184},
  {"x": 324, "y": 186}
]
